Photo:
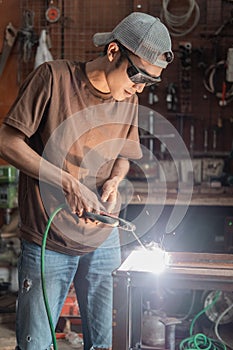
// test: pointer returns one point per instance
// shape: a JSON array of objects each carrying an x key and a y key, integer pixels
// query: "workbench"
[
  {"x": 193, "y": 271},
  {"x": 156, "y": 193}
]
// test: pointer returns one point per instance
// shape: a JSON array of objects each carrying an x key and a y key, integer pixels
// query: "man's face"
[{"x": 119, "y": 82}]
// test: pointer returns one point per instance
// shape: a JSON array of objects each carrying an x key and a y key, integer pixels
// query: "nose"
[{"x": 139, "y": 87}]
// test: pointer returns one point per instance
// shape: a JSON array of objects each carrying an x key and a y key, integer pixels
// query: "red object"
[
  {"x": 60, "y": 335},
  {"x": 70, "y": 307},
  {"x": 52, "y": 14},
  {"x": 223, "y": 91}
]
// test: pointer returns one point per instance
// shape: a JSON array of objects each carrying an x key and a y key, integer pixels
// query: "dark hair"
[{"x": 124, "y": 52}]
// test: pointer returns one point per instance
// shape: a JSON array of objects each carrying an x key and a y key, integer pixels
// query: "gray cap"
[{"x": 144, "y": 35}]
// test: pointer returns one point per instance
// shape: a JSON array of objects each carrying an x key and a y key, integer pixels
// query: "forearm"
[
  {"x": 16, "y": 151},
  {"x": 120, "y": 169}
]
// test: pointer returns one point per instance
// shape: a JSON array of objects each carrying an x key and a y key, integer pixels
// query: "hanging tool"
[
  {"x": 191, "y": 144},
  {"x": 171, "y": 97},
  {"x": 206, "y": 140},
  {"x": 185, "y": 54},
  {"x": 27, "y": 37},
  {"x": 9, "y": 40},
  {"x": 27, "y": 40}
]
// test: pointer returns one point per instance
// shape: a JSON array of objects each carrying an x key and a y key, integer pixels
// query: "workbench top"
[
  {"x": 179, "y": 269},
  {"x": 154, "y": 193}
]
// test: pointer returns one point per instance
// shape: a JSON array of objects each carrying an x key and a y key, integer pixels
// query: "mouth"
[{"x": 128, "y": 93}]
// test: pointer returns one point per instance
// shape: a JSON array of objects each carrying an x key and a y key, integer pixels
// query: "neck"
[{"x": 95, "y": 71}]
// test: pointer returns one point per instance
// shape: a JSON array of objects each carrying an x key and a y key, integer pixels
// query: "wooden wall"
[{"x": 71, "y": 38}]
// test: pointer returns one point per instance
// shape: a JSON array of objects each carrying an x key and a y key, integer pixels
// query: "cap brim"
[{"x": 101, "y": 39}]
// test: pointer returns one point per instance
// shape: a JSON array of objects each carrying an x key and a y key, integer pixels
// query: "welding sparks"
[{"x": 149, "y": 261}]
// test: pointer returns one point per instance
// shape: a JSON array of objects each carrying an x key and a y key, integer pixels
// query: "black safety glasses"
[{"x": 139, "y": 76}]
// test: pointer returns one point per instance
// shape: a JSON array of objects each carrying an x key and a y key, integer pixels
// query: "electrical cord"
[
  {"x": 209, "y": 83},
  {"x": 218, "y": 322},
  {"x": 52, "y": 328},
  {"x": 190, "y": 308},
  {"x": 176, "y": 22},
  {"x": 200, "y": 340}
]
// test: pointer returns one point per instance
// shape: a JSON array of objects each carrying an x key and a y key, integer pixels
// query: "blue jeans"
[{"x": 92, "y": 277}]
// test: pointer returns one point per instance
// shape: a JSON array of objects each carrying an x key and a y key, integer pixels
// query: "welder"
[{"x": 70, "y": 132}]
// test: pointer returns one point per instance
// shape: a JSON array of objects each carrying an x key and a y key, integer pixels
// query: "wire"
[
  {"x": 210, "y": 77},
  {"x": 175, "y": 22},
  {"x": 54, "y": 340},
  {"x": 190, "y": 308},
  {"x": 218, "y": 322},
  {"x": 199, "y": 340}
]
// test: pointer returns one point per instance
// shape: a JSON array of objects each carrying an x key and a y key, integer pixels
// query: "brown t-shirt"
[{"x": 80, "y": 130}]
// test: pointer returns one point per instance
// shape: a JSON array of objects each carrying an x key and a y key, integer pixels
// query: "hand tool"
[
  {"x": 9, "y": 39},
  {"x": 111, "y": 220}
]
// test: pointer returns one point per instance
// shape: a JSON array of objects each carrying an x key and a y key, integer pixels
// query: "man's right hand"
[{"x": 79, "y": 197}]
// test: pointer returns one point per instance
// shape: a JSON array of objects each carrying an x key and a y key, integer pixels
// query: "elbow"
[{"x": 6, "y": 142}]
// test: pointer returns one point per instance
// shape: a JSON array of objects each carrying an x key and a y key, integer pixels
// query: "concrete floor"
[
  {"x": 7, "y": 327},
  {"x": 7, "y": 339},
  {"x": 7, "y": 336}
]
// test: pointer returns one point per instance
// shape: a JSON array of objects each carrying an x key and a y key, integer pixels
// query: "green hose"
[
  {"x": 52, "y": 329},
  {"x": 199, "y": 340}
]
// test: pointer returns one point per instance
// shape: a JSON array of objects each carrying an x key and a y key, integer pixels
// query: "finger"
[
  {"x": 79, "y": 212},
  {"x": 71, "y": 203},
  {"x": 111, "y": 207},
  {"x": 105, "y": 195}
]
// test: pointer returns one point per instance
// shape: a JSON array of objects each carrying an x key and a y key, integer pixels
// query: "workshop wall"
[
  {"x": 204, "y": 120},
  {"x": 10, "y": 13}
]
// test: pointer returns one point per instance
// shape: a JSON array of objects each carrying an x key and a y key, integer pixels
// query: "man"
[{"x": 70, "y": 132}]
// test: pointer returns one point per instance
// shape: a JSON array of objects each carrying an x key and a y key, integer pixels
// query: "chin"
[{"x": 119, "y": 97}]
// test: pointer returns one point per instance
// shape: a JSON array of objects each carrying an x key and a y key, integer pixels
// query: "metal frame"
[{"x": 129, "y": 285}]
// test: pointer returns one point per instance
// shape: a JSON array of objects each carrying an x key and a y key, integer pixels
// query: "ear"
[{"x": 113, "y": 51}]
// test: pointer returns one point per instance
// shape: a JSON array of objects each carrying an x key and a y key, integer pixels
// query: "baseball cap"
[{"x": 142, "y": 34}]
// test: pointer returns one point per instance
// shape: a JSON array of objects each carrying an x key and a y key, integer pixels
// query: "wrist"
[{"x": 68, "y": 182}]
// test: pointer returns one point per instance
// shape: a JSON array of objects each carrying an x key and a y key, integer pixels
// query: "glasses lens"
[{"x": 138, "y": 77}]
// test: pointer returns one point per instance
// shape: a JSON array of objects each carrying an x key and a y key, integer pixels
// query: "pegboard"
[
  {"x": 71, "y": 35},
  {"x": 198, "y": 113}
]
